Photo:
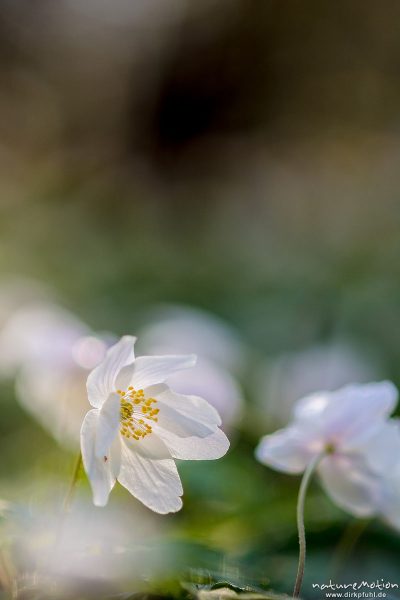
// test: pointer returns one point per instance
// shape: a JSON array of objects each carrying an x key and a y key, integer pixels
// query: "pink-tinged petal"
[
  {"x": 289, "y": 450},
  {"x": 108, "y": 424},
  {"x": 351, "y": 484},
  {"x": 102, "y": 471},
  {"x": 149, "y": 473},
  {"x": 150, "y": 370},
  {"x": 211, "y": 447},
  {"x": 102, "y": 380},
  {"x": 353, "y": 411}
]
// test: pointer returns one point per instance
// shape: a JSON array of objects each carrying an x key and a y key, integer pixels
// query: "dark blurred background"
[{"x": 239, "y": 157}]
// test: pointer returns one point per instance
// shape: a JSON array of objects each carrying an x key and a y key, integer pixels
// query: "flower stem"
[
  {"x": 72, "y": 486},
  {"x": 300, "y": 521}
]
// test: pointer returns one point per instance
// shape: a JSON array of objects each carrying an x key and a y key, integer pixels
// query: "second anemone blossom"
[
  {"x": 351, "y": 431},
  {"x": 138, "y": 426}
]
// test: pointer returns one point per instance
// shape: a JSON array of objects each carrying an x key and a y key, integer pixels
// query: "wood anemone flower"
[
  {"x": 138, "y": 426},
  {"x": 351, "y": 430}
]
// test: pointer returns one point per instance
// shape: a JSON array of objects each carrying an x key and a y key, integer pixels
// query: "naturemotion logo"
[{"x": 356, "y": 589}]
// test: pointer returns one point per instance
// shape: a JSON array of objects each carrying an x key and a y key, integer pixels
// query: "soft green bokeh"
[{"x": 284, "y": 223}]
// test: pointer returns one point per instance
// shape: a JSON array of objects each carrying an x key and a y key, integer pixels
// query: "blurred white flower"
[
  {"x": 390, "y": 451},
  {"x": 91, "y": 546},
  {"x": 390, "y": 506},
  {"x": 56, "y": 398},
  {"x": 39, "y": 333},
  {"x": 187, "y": 330},
  {"x": 279, "y": 383},
  {"x": 351, "y": 425},
  {"x": 220, "y": 356},
  {"x": 138, "y": 426},
  {"x": 50, "y": 352}
]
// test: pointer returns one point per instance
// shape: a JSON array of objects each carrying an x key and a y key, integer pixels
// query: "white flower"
[
  {"x": 138, "y": 426},
  {"x": 388, "y": 455},
  {"x": 56, "y": 397},
  {"x": 352, "y": 426},
  {"x": 39, "y": 333},
  {"x": 50, "y": 351}
]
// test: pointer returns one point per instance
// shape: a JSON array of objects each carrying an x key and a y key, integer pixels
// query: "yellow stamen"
[{"x": 133, "y": 404}]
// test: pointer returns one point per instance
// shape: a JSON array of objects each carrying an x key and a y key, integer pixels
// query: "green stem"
[
  {"x": 300, "y": 520},
  {"x": 72, "y": 486}
]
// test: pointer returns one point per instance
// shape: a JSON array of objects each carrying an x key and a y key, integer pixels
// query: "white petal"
[
  {"x": 149, "y": 370},
  {"x": 392, "y": 515},
  {"x": 102, "y": 380},
  {"x": 211, "y": 447},
  {"x": 214, "y": 384},
  {"x": 390, "y": 509},
  {"x": 183, "y": 415},
  {"x": 101, "y": 471},
  {"x": 354, "y": 410},
  {"x": 149, "y": 473},
  {"x": 188, "y": 425},
  {"x": 351, "y": 484},
  {"x": 108, "y": 424},
  {"x": 382, "y": 449},
  {"x": 289, "y": 450},
  {"x": 311, "y": 406}
]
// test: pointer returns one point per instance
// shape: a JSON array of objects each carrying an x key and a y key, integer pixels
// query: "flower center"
[
  {"x": 330, "y": 448},
  {"x": 137, "y": 412}
]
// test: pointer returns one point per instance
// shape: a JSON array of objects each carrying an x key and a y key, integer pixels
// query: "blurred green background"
[{"x": 238, "y": 157}]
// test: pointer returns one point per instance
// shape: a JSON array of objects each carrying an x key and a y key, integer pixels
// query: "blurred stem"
[
  {"x": 72, "y": 486},
  {"x": 8, "y": 576},
  {"x": 308, "y": 473},
  {"x": 347, "y": 543}
]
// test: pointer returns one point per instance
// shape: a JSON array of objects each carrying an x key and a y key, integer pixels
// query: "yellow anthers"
[{"x": 134, "y": 404}]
